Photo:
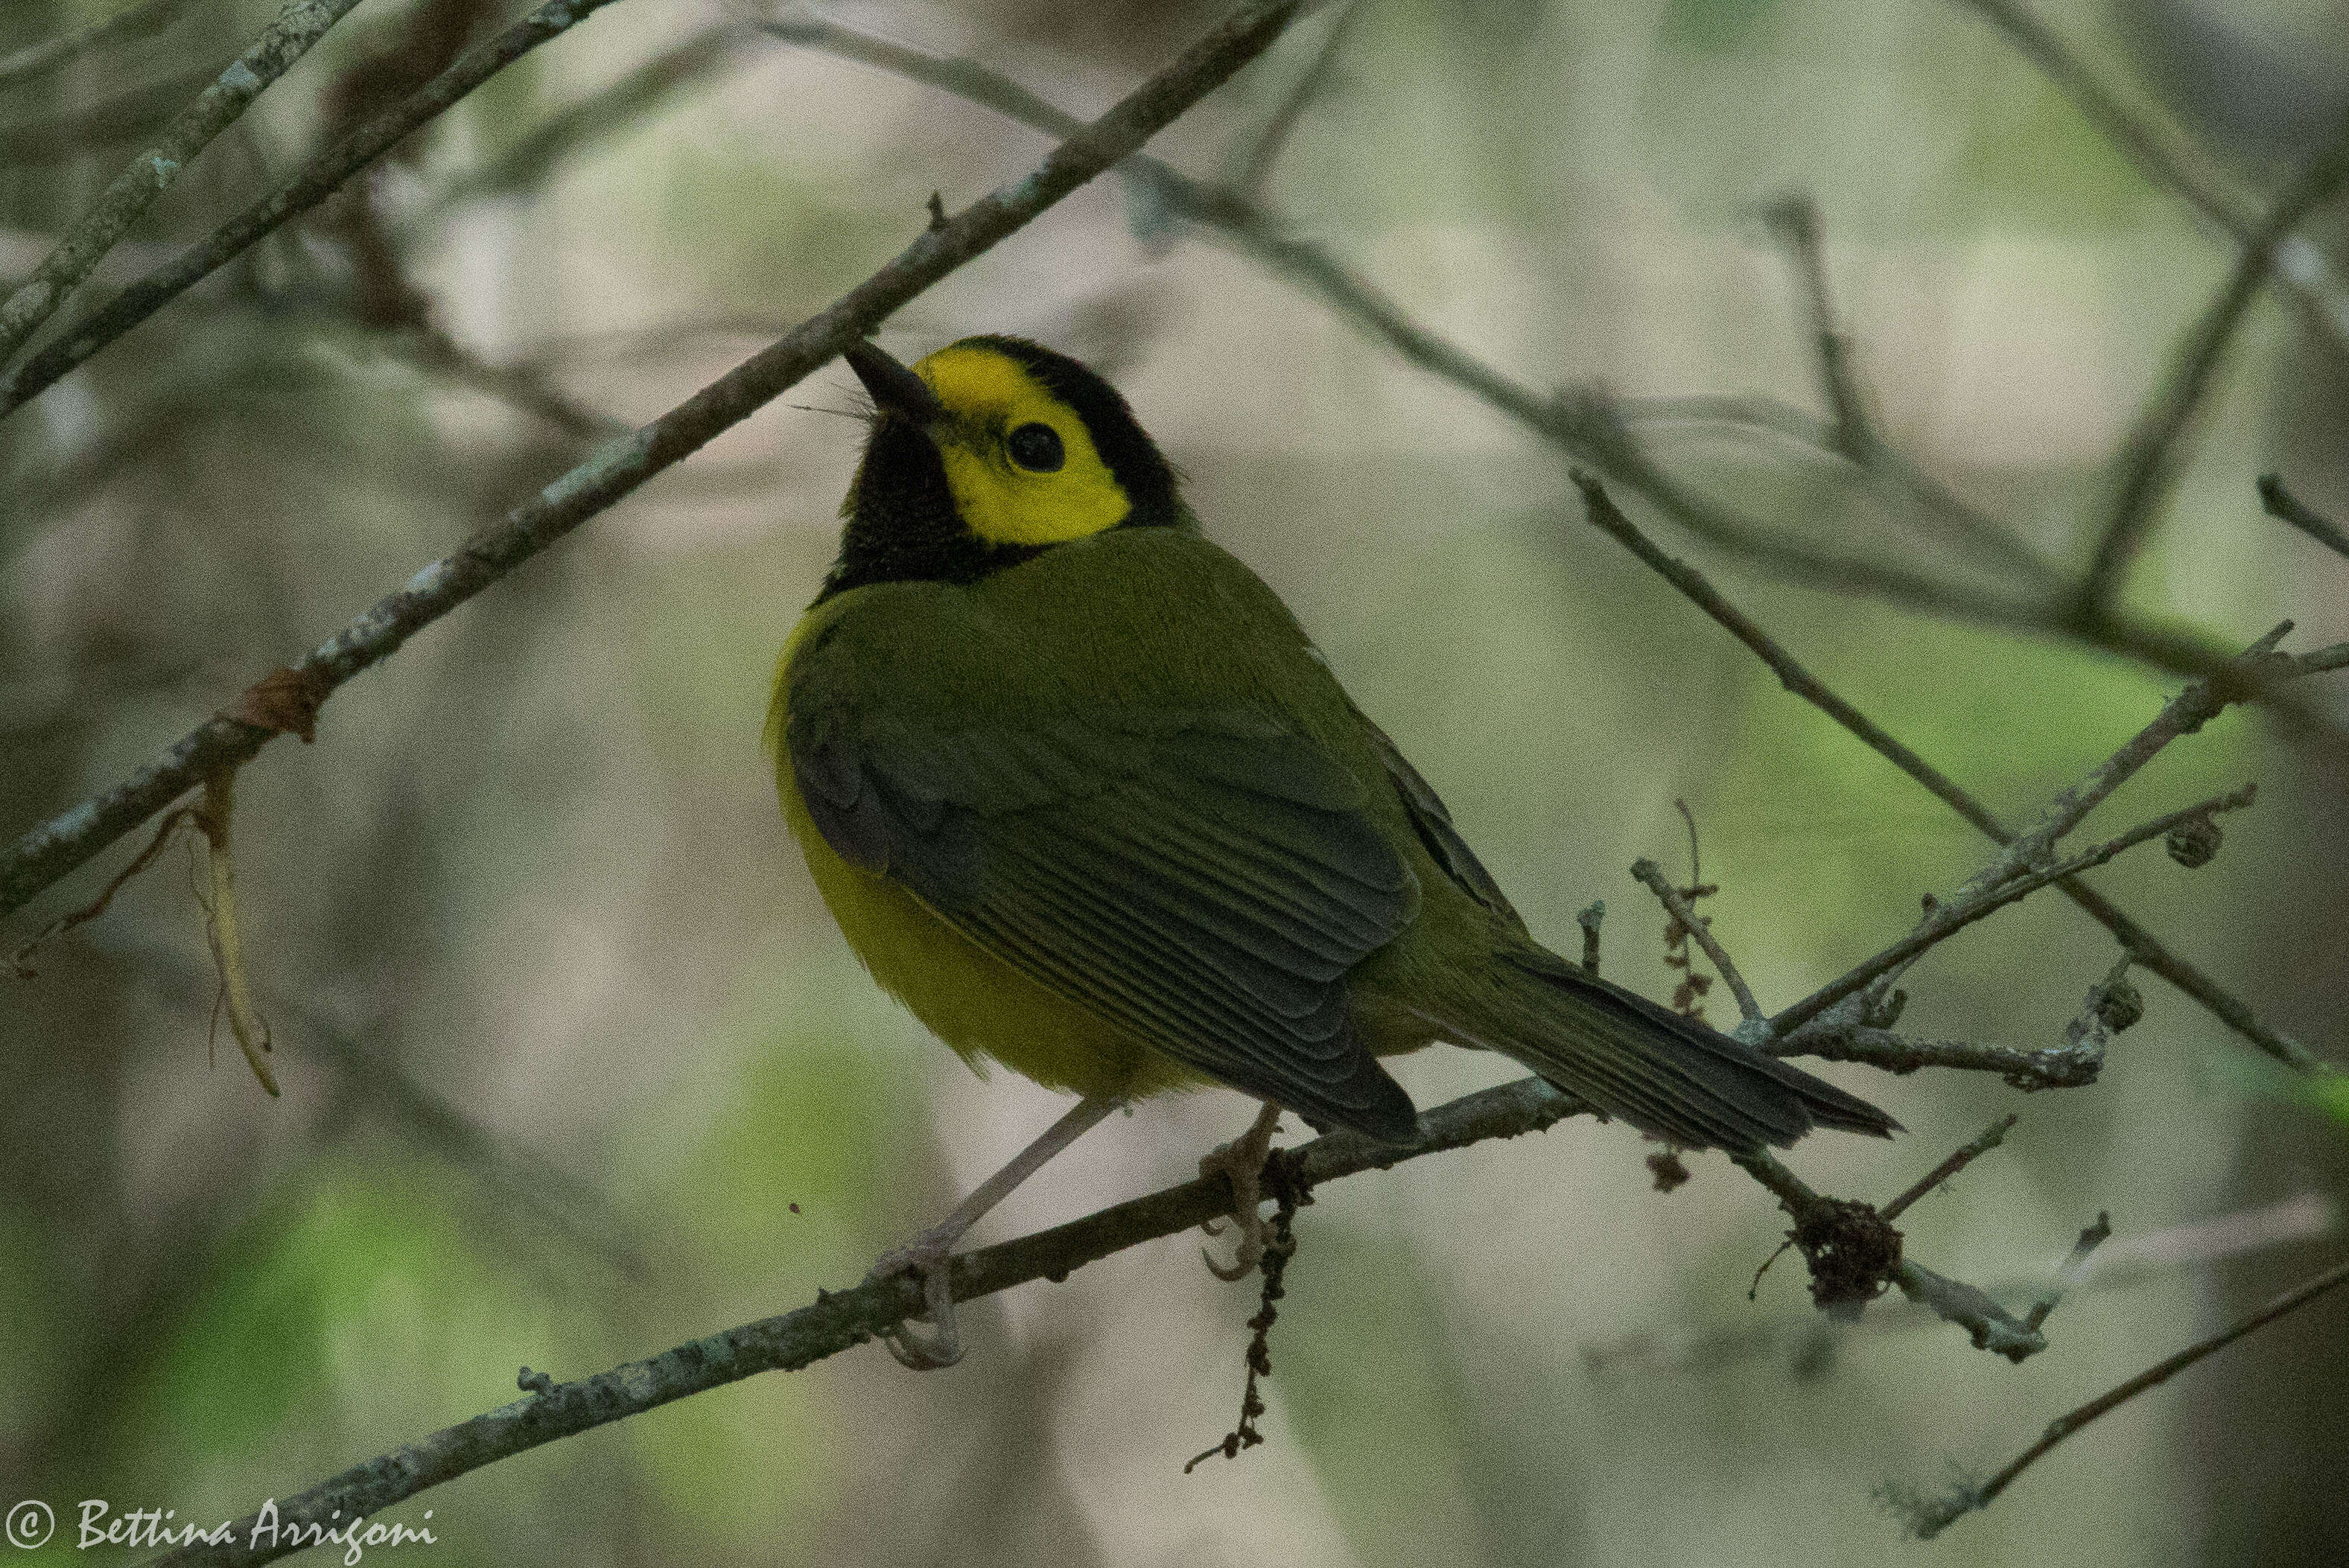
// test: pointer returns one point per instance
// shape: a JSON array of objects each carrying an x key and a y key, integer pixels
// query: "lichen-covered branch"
[
  {"x": 298, "y": 24},
  {"x": 57, "y": 846},
  {"x": 837, "y": 1322},
  {"x": 310, "y": 185}
]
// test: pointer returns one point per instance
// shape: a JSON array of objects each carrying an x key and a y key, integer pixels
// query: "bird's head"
[{"x": 986, "y": 453}]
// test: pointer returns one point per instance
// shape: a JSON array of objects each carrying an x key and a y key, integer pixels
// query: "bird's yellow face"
[
  {"x": 986, "y": 453},
  {"x": 1021, "y": 465}
]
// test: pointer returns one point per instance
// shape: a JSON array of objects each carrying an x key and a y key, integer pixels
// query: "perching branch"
[
  {"x": 838, "y": 1321},
  {"x": 298, "y": 24},
  {"x": 57, "y": 846}
]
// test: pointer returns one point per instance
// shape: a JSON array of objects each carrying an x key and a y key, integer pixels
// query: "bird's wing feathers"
[{"x": 1205, "y": 879}]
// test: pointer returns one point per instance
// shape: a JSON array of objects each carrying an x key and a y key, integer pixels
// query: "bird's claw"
[
  {"x": 913, "y": 1350},
  {"x": 1240, "y": 1163}
]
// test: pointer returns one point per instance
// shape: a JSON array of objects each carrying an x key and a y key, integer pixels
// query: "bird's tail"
[{"x": 1663, "y": 1073}]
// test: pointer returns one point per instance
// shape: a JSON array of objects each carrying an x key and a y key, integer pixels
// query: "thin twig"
[
  {"x": 1256, "y": 167},
  {"x": 1928, "y": 1517},
  {"x": 1838, "y": 1040},
  {"x": 57, "y": 846},
  {"x": 838, "y": 1321},
  {"x": 1849, "y": 434},
  {"x": 2140, "y": 943},
  {"x": 1992, "y": 1136},
  {"x": 312, "y": 184},
  {"x": 1652, "y": 876},
  {"x": 2067, "y": 1274},
  {"x": 2188, "y": 711},
  {"x": 1585, "y": 426},
  {"x": 298, "y": 24},
  {"x": 2286, "y": 507},
  {"x": 127, "y": 116},
  {"x": 608, "y": 109},
  {"x": 1794, "y": 219},
  {"x": 138, "y": 20},
  {"x": 2170, "y": 162},
  {"x": 2150, "y": 456},
  {"x": 1948, "y": 920},
  {"x": 2308, "y": 1216}
]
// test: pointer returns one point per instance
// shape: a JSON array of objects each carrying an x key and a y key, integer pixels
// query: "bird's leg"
[
  {"x": 1241, "y": 1163},
  {"x": 929, "y": 1254}
]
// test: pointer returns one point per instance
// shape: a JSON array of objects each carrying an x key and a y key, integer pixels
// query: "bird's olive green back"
[{"x": 1122, "y": 767}]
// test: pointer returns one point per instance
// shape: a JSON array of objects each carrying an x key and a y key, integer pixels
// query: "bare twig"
[
  {"x": 1795, "y": 219},
  {"x": 1992, "y": 1136},
  {"x": 1853, "y": 1252},
  {"x": 1587, "y": 426},
  {"x": 137, "y": 20},
  {"x": 1948, "y": 920},
  {"x": 56, "y": 847},
  {"x": 1849, "y": 434},
  {"x": 125, "y": 117},
  {"x": 2075, "y": 1264},
  {"x": 838, "y": 1321},
  {"x": 1678, "y": 906},
  {"x": 2308, "y": 1216},
  {"x": 1838, "y": 1040},
  {"x": 2150, "y": 456},
  {"x": 2184, "y": 714},
  {"x": 2286, "y": 507},
  {"x": 2140, "y": 943},
  {"x": 21, "y": 961},
  {"x": 599, "y": 115},
  {"x": 316, "y": 180},
  {"x": 1928, "y": 1517},
  {"x": 1256, "y": 167},
  {"x": 2171, "y": 164},
  {"x": 298, "y": 24}
]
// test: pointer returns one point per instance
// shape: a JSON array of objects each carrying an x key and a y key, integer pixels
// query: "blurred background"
[{"x": 576, "y": 1067}]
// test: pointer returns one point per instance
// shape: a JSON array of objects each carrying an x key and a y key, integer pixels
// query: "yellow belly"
[{"x": 975, "y": 1002}]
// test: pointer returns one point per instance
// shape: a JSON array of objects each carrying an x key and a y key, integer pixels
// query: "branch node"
[{"x": 285, "y": 701}]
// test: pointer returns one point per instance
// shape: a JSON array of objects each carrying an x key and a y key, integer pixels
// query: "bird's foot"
[
  {"x": 931, "y": 1257},
  {"x": 1240, "y": 1163}
]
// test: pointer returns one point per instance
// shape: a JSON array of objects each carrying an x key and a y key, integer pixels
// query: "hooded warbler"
[{"x": 1082, "y": 795}]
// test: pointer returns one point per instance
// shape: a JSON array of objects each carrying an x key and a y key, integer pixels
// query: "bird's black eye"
[{"x": 1036, "y": 448}]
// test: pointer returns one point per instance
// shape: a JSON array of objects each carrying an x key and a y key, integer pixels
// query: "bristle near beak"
[{"x": 894, "y": 388}]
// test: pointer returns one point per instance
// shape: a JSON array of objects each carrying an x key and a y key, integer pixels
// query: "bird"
[{"x": 1081, "y": 792}]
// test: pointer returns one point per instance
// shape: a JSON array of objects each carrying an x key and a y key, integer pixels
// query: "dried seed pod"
[
  {"x": 2193, "y": 844},
  {"x": 2119, "y": 1005}
]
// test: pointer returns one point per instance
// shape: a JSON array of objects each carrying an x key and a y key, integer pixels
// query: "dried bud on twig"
[{"x": 2194, "y": 844}]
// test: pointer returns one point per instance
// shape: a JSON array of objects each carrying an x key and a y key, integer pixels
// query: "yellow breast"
[{"x": 975, "y": 1002}]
